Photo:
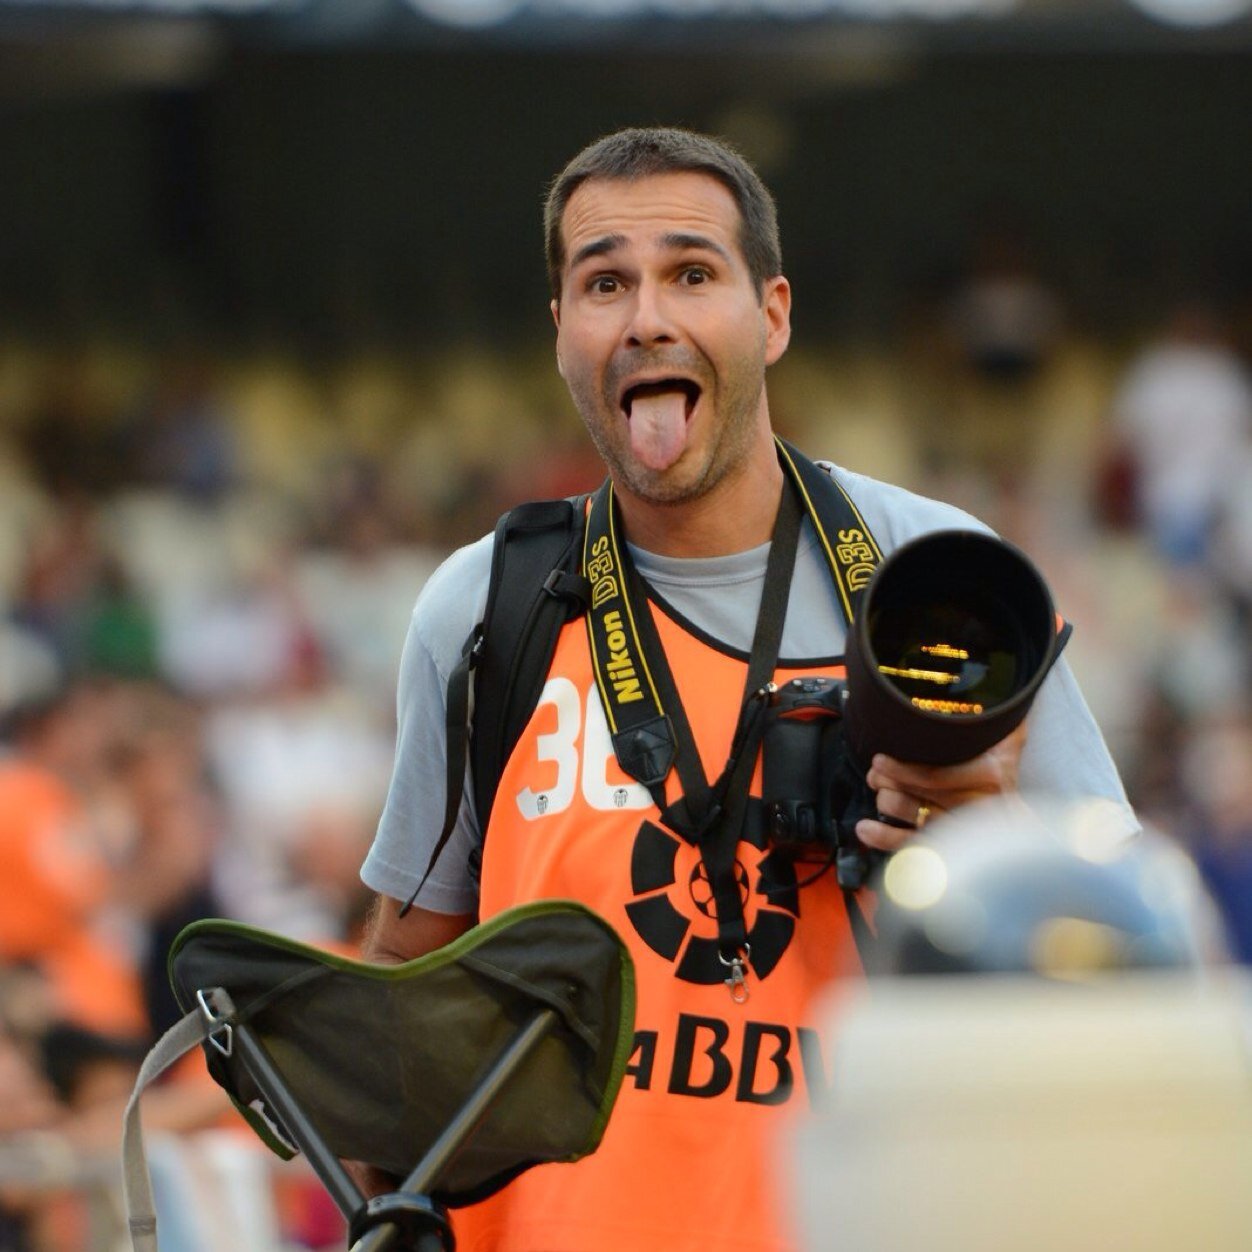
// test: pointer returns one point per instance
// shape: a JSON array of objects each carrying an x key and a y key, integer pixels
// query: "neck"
[{"x": 735, "y": 515}]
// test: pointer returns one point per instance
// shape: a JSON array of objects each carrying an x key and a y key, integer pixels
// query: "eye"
[
  {"x": 694, "y": 276},
  {"x": 604, "y": 285}
]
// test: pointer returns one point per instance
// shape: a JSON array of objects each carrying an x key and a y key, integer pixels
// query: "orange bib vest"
[{"x": 689, "y": 1159}]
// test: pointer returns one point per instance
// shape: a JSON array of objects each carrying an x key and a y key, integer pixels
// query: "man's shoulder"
[
  {"x": 457, "y": 574},
  {"x": 895, "y": 514},
  {"x": 453, "y": 601},
  {"x": 459, "y": 585}
]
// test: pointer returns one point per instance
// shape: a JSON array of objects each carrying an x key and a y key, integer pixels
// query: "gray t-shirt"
[{"x": 1065, "y": 753}]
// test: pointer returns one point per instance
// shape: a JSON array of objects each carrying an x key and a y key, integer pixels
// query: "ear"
[
  {"x": 776, "y": 304},
  {"x": 555, "y": 306}
]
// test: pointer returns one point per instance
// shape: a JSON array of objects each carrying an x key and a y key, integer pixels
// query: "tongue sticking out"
[{"x": 658, "y": 428}]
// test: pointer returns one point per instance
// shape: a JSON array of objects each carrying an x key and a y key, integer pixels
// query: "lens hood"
[{"x": 954, "y": 634}]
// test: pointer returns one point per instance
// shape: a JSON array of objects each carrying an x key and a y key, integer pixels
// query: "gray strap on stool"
[{"x": 136, "y": 1183}]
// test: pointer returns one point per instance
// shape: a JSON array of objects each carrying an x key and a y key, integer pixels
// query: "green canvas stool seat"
[{"x": 455, "y": 1071}]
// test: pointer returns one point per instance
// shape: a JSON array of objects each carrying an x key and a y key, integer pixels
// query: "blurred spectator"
[
  {"x": 1202, "y": 665},
  {"x": 989, "y": 401},
  {"x": 303, "y": 768},
  {"x": 358, "y": 584},
  {"x": 164, "y": 881},
  {"x": 182, "y": 437},
  {"x": 29, "y": 669},
  {"x": 234, "y": 639},
  {"x": 1182, "y": 422},
  {"x": 1217, "y": 770},
  {"x": 119, "y": 628},
  {"x": 1231, "y": 565},
  {"x": 58, "y": 840},
  {"x": 75, "y": 609},
  {"x": 61, "y": 575},
  {"x": 1004, "y": 317}
]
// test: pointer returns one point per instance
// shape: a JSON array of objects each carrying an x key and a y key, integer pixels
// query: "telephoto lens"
[{"x": 954, "y": 636}]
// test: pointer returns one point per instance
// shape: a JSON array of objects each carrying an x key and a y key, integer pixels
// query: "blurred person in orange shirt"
[{"x": 57, "y": 880}]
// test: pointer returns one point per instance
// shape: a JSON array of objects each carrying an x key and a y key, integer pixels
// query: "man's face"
[{"x": 662, "y": 337}]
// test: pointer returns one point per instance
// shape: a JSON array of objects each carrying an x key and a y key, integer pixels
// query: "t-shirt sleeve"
[
  {"x": 1065, "y": 753},
  {"x": 449, "y": 605}
]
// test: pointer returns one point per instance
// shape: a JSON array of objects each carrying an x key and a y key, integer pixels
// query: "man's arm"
[{"x": 391, "y": 939}]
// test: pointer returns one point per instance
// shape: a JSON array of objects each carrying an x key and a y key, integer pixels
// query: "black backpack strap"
[{"x": 535, "y": 587}]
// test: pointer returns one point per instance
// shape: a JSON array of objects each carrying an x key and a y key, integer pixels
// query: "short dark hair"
[{"x": 639, "y": 152}]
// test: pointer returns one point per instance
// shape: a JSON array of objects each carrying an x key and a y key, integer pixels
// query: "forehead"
[{"x": 644, "y": 210}]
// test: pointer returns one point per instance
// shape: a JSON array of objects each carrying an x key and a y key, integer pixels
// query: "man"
[{"x": 669, "y": 304}]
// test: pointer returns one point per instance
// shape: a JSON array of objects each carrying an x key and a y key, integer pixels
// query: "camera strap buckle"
[{"x": 737, "y": 980}]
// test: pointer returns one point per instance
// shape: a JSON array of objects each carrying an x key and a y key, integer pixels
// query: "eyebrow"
[
  {"x": 597, "y": 247},
  {"x": 683, "y": 242},
  {"x": 676, "y": 241}
]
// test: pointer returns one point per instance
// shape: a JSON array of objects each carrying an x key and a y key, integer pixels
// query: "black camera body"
[
  {"x": 813, "y": 791},
  {"x": 954, "y": 635}
]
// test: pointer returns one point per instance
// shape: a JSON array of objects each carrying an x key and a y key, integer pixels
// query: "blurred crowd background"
[{"x": 274, "y": 340}]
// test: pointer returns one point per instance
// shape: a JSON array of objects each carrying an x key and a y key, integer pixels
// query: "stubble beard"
[{"x": 737, "y": 403}]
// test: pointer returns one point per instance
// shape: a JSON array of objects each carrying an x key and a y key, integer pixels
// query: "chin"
[{"x": 676, "y": 485}]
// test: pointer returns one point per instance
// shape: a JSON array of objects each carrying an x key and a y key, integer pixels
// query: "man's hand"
[{"x": 911, "y": 795}]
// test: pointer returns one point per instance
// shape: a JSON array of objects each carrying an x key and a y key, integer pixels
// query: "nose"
[{"x": 650, "y": 320}]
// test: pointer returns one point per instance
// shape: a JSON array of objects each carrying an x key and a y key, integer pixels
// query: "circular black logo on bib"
[
  {"x": 702, "y": 889},
  {"x": 674, "y": 913}
]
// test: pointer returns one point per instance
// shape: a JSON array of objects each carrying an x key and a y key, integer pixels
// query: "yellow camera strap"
[{"x": 846, "y": 542}]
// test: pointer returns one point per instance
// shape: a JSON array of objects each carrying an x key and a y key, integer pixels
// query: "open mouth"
[{"x": 662, "y": 387}]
